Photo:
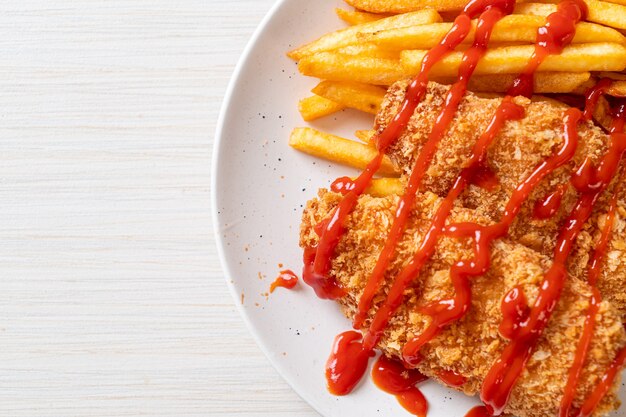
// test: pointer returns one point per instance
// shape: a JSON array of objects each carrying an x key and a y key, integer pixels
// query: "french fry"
[
  {"x": 365, "y": 136},
  {"x": 403, "y": 6},
  {"x": 534, "y": 9},
  {"x": 368, "y": 50},
  {"x": 339, "y": 67},
  {"x": 545, "y": 82},
  {"x": 337, "y": 149},
  {"x": 512, "y": 28},
  {"x": 363, "y": 97},
  {"x": 609, "y": 14},
  {"x": 348, "y": 36},
  {"x": 314, "y": 107},
  {"x": 383, "y": 187},
  {"x": 513, "y": 60},
  {"x": 605, "y": 13},
  {"x": 358, "y": 18},
  {"x": 617, "y": 89}
]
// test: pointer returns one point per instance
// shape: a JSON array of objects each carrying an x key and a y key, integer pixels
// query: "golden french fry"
[
  {"x": 617, "y": 89},
  {"x": 368, "y": 50},
  {"x": 535, "y": 9},
  {"x": 358, "y": 18},
  {"x": 512, "y": 28},
  {"x": 348, "y": 36},
  {"x": 339, "y": 67},
  {"x": 545, "y": 82},
  {"x": 314, "y": 107},
  {"x": 337, "y": 149},
  {"x": 365, "y": 136},
  {"x": 612, "y": 75},
  {"x": 382, "y": 187},
  {"x": 403, "y": 6},
  {"x": 366, "y": 98},
  {"x": 513, "y": 60},
  {"x": 605, "y": 13},
  {"x": 609, "y": 14}
]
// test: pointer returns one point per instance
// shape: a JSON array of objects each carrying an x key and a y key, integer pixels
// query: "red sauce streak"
[
  {"x": 392, "y": 377},
  {"x": 506, "y": 370},
  {"x": 594, "y": 270},
  {"x": 552, "y": 38},
  {"x": 492, "y": 14},
  {"x": 593, "y": 94},
  {"x": 480, "y": 411},
  {"x": 446, "y": 311},
  {"x": 485, "y": 178},
  {"x": 550, "y": 204},
  {"x": 334, "y": 228},
  {"x": 342, "y": 185},
  {"x": 286, "y": 279},
  {"x": 347, "y": 363},
  {"x": 451, "y": 378},
  {"x": 324, "y": 288},
  {"x": 515, "y": 311},
  {"x": 606, "y": 382}
]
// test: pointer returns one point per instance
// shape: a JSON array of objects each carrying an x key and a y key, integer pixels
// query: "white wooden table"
[{"x": 112, "y": 299}]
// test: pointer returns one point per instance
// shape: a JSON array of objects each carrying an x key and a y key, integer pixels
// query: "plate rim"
[{"x": 219, "y": 243}]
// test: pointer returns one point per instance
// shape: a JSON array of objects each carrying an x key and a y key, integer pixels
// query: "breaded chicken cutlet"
[
  {"x": 514, "y": 153},
  {"x": 471, "y": 345}
]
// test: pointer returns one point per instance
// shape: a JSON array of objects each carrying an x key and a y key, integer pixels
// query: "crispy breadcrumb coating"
[
  {"x": 471, "y": 345},
  {"x": 513, "y": 155}
]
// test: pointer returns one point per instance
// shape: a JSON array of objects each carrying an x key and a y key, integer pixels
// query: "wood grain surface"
[{"x": 112, "y": 299}]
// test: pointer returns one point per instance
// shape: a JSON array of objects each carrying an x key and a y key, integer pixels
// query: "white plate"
[{"x": 259, "y": 188}]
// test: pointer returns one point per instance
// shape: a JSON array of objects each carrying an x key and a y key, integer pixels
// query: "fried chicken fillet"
[
  {"x": 515, "y": 152},
  {"x": 471, "y": 345}
]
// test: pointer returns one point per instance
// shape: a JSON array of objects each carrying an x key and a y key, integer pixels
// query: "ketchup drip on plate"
[
  {"x": 287, "y": 279},
  {"x": 393, "y": 378},
  {"x": 480, "y": 411}
]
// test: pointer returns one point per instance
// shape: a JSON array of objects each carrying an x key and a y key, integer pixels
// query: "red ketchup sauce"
[
  {"x": 286, "y": 279},
  {"x": 549, "y": 205},
  {"x": 451, "y": 378},
  {"x": 506, "y": 370},
  {"x": 333, "y": 228},
  {"x": 492, "y": 14},
  {"x": 491, "y": 11},
  {"x": 347, "y": 363},
  {"x": 393, "y": 378},
  {"x": 480, "y": 411},
  {"x": 593, "y": 272},
  {"x": 522, "y": 324}
]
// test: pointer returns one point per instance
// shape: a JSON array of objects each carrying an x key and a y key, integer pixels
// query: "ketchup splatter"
[
  {"x": 347, "y": 363},
  {"x": 480, "y": 411},
  {"x": 286, "y": 279},
  {"x": 392, "y": 377},
  {"x": 515, "y": 311},
  {"x": 549, "y": 205},
  {"x": 451, "y": 378}
]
